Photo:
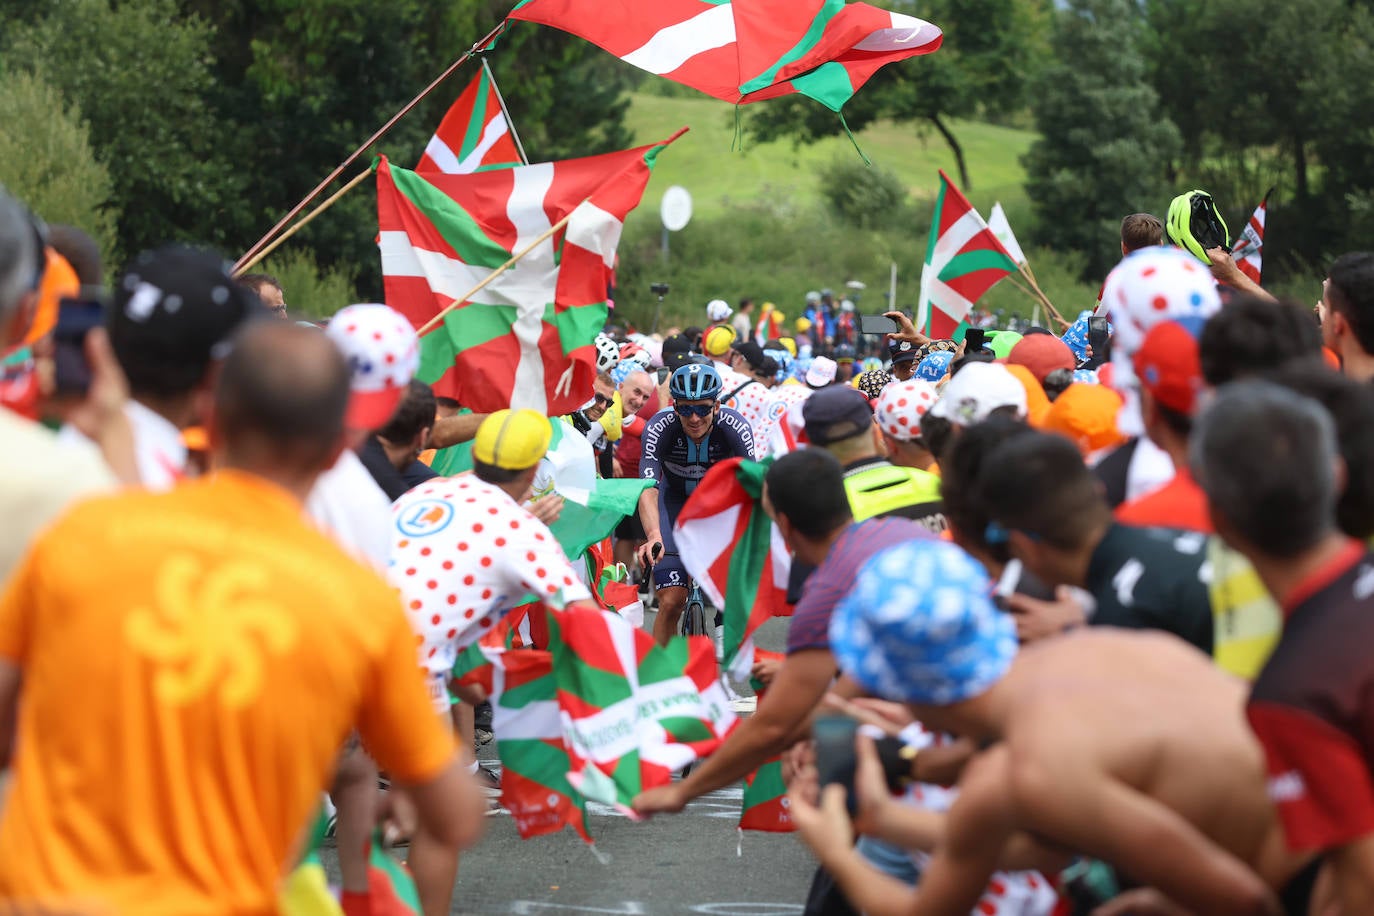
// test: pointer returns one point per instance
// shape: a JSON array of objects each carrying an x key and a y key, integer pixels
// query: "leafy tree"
[
  {"x": 306, "y": 81},
  {"x": 990, "y": 46},
  {"x": 864, "y": 197},
  {"x": 46, "y": 159},
  {"x": 140, "y": 74},
  {"x": 1103, "y": 141}
]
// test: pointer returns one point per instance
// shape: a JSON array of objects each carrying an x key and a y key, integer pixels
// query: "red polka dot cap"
[
  {"x": 383, "y": 354},
  {"x": 901, "y": 405}
]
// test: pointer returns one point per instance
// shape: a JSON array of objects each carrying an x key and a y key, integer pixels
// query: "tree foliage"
[
  {"x": 140, "y": 75},
  {"x": 214, "y": 118},
  {"x": 1103, "y": 140},
  {"x": 1272, "y": 92},
  {"x": 46, "y": 159}
]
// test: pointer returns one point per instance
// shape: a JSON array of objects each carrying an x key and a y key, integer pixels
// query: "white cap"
[
  {"x": 718, "y": 310},
  {"x": 976, "y": 391},
  {"x": 383, "y": 355},
  {"x": 821, "y": 372}
]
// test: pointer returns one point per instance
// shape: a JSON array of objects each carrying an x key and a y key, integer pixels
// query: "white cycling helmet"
[{"x": 607, "y": 353}]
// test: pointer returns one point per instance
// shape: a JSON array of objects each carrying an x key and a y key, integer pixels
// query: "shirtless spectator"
[{"x": 1141, "y": 758}]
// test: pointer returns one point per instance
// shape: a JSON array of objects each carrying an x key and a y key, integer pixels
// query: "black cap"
[
  {"x": 834, "y": 413},
  {"x": 901, "y": 351},
  {"x": 174, "y": 311},
  {"x": 752, "y": 353}
]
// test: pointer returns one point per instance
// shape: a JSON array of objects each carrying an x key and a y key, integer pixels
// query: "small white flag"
[{"x": 997, "y": 222}]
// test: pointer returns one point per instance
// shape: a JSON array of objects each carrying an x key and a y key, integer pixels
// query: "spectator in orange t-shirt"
[
  {"x": 191, "y": 662},
  {"x": 1170, "y": 373}
]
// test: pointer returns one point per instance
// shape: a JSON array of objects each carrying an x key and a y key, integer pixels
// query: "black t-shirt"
[
  {"x": 1152, "y": 579},
  {"x": 1114, "y": 469},
  {"x": 374, "y": 458}
]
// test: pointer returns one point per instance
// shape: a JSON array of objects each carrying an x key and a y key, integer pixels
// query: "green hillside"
[
  {"x": 760, "y": 226},
  {"x": 703, "y": 163}
]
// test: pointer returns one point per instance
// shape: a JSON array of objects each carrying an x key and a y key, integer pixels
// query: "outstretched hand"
[
  {"x": 669, "y": 799},
  {"x": 906, "y": 331}
]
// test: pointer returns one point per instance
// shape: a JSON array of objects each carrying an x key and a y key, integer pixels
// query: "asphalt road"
[{"x": 689, "y": 863}]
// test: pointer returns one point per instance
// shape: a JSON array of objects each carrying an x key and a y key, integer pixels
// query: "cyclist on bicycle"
[{"x": 681, "y": 443}]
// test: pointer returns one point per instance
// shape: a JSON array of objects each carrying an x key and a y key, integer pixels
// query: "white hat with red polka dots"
[
  {"x": 1153, "y": 284},
  {"x": 383, "y": 354},
  {"x": 901, "y": 405}
]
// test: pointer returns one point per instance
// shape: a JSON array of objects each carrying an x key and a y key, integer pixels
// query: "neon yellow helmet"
[{"x": 1195, "y": 225}]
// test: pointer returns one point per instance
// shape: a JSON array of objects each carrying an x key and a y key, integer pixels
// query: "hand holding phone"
[
  {"x": 835, "y": 758},
  {"x": 974, "y": 340},
  {"x": 75, "y": 319},
  {"x": 877, "y": 325}
]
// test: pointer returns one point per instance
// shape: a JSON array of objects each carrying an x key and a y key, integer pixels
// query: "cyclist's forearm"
[{"x": 648, "y": 510}]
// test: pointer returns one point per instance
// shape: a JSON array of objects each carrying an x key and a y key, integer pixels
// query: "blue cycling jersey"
[{"x": 675, "y": 463}]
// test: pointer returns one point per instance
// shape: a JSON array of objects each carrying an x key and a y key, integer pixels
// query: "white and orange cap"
[
  {"x": 383, "y": 353},
  {"x": 901, "y": 405}
]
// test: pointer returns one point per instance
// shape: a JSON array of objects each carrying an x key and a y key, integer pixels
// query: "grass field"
[
  {"x": 703, "y": 162},
  {"x": 734, "y": 247}
]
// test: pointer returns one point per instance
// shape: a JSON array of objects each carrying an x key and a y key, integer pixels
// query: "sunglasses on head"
[{"x": 693, "y": 410}]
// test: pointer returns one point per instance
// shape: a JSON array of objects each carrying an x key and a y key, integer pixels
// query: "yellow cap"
[
  {"x": 718, "y": 339},
  {"x": 789, "y": 345},
  {"x": 803, "y": 325},
  {"x": 512, "y": 440}
]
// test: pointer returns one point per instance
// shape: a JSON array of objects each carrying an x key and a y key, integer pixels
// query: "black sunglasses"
[
  {"x": 693, "y": 410},
  {"x": 602, "y": 399}
]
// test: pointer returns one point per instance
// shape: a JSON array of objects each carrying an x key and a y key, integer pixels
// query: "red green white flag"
[
  {"x": 1249, "y": 248},
  {"x": 746, "y": 50},
  {"x": 474, "y": 134},
  {"x": 526, "y": 339},
  {"x": 765, "y": 805},
  {"x": 633, "y": 712},
  {"x": 735, "y": 552},
  {"x": 964, "y": 260}
]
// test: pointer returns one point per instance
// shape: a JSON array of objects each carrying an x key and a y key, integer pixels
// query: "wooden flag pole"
[
  {"x": 279, "y": 240},
  {"x": 1040, "y": 294},
  {"x": 543, "y": 237},
  {"x": 501, "y": 100},
  {"x": 381, "y": 132}
]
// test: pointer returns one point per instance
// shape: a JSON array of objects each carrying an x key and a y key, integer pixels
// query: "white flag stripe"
[
  {"x": 1001, "y": 227},
  {"x": 453, "y": 278},
  {"x": 948, "y": 301},
  {"x": 906, "y": 32},
  {"x": 526, "y": 211},
  {"x": 596, "y": 230},
  {"x": 493, "y": 131},
  {"x": 538, "y": 721},
  {"x": 673, "y": 46},
  {"x": 953, "y": 240},
  {"x": 443, "y": 157}
]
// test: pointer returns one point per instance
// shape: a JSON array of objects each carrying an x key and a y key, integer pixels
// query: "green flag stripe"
[
  {"x": 966, "y": 262},
  {"x": 473, "y": 135},
  {"x": 828, "y": 84},
  {"x": 935, "y": 223},
  {"x": 629, "y": 780},
  {"x": 664, "y": 664},
  {"x": 450, "y": 220},
  {"x": 799, "y": 50},
  {"x": 589, "y": 684},
  {"x": 577, "y": 325},
  {"x": 541, "y": 689},
  {"x": 539, "y": 762},
  {"x": 767, "y": 784},
  {"x": 686, "y": 729}
]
